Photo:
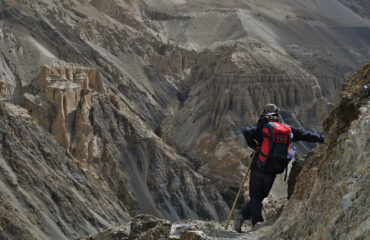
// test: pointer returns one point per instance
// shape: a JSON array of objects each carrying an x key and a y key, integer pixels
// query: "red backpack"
[{"x": 276, "y": 141}]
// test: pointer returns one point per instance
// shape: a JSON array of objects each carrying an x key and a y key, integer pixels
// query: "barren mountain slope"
[{"x": 150, "y": 97}]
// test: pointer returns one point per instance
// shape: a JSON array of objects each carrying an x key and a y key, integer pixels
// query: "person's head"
[{"x": 270, "y": 112}]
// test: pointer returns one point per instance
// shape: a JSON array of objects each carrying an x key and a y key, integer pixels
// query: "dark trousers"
[{"x": 260, "y": 184}]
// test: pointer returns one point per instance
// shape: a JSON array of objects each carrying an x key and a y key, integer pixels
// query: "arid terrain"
[{"x": 110, "y": 108}]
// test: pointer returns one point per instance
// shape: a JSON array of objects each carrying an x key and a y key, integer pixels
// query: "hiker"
[{"x": 271, "y": 139}]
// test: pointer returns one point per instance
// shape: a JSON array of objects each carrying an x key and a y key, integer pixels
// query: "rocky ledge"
[{"x": 151, "y": 228}]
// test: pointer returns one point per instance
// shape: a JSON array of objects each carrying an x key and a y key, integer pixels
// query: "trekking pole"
[{"x": 240, "y": 189}]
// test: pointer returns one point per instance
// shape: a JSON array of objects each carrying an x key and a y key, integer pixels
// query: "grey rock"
[{"x": 297, "y": 166}]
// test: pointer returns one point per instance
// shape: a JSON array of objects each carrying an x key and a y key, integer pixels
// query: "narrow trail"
[{"x": 217, "y": 231}]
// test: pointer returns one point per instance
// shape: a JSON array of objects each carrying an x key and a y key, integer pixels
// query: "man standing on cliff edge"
[{"x": 271, "y": 140}]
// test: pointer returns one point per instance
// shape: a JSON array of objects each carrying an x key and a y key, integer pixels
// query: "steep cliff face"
[
  {"x": 331, "y": 197},
  {"x": 45, "y": 192}
]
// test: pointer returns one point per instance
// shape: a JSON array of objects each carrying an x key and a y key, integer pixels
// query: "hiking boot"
[
  {"x": 257, "y": 225},
  {"x": 238, "y": 221}
]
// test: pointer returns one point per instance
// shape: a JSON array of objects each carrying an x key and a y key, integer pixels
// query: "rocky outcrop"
[
  {"x": 147, "y": 227},
  {"x": 62, "y": 106},
  {"x": 297, "y": 167},
  {"x": 86, "y": 78},
  {"x": 193, "y": 235},
  {"x": 140, "y": 227},
  {"x": 113, "y": 233},
  {"x": 331, "y": 197}
]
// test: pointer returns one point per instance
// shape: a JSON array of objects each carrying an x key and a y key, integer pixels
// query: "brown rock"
[
  {"x": 40, "y": 109},
  {"x": 16, "y": 111},
  {"x": 146, "y": 227},
  {"x": 66, "y": 101},
  {"x": 113, "y": 233},
  {"x": 193, "y": 235},
  {"x": 83, "y": 76}
]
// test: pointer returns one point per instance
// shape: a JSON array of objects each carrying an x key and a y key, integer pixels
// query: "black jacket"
[{"x": 253, "y": 135}]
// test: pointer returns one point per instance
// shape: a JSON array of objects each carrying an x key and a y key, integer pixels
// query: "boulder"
[
  {"x": 141, "y": 227},
  {"x": 193, "y": 235},
  {"x": 146, "y": 227},
  {"x": 113, "y": 233}
]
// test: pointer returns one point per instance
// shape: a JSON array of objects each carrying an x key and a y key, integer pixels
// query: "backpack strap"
[{"x": 270, "y": 138}]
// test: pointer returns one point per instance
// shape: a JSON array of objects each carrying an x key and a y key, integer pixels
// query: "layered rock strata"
[{"x": 63, "y": 104}]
